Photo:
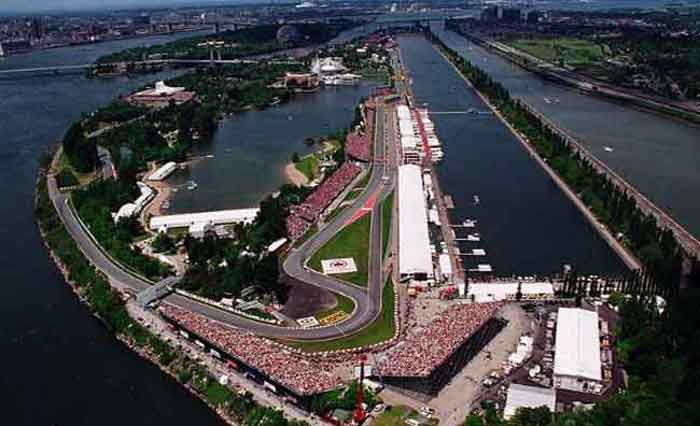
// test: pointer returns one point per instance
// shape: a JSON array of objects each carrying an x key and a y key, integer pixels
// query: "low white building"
[
  {"x": 163, "y": 171},
  {"x": 577, "y": 365},
  {"x": 200, "y": 229},
  {"x": 498, "y": 291},
  {"x": 328, "y": 66},
  {"x": 134, "y": 208},
  {"x": 197, "y": 222},
  {"x": 523, "y": 396}
]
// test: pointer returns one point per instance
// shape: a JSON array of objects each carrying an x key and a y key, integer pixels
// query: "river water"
[
  {"x": 60, "y": 366},
  {"x": 251, "y": 149},
  {"x": 657, "y": 155},
  {"x": 527, "y": 225}
]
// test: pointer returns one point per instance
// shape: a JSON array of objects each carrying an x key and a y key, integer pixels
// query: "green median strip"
[
  {"x": 387, "y": 209},
  {"x": 380, "y": 330},
  {"x": 345, "y": 304},
  {"x": 352, "y": 241}
]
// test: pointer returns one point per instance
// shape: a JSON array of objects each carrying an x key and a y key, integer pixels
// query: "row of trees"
[
  {"x": 224, "y": 268},
  {"x": 656, "y": 247},
  {"x": 95, "y": 204},
  {"x": 108, "y": 305},
  {"x": 256, "y": 40},
  {"x": 80, "y": 150},
  {"x": 138, "y": 137},
  {"x": 659, "y": 349},
  {"x": 223, "y": 90}
]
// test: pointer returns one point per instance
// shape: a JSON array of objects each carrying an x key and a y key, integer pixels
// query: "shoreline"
[
  {"x": 136, "y": 317},
  {"x": 612, "y": 94},
  {"x": 625, "y": 254},
  {"x": 141, "y": 352},
  {"x": 294, "y": 176}
]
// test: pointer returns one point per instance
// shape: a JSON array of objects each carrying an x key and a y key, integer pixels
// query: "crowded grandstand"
[
  {"x": 303, "y": 215},
  {"x": 256, "y": 355},
  {"x": 428, "y": 358},
  {"x": 358, "y": 144}
]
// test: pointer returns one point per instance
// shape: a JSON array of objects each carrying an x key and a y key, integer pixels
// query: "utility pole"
[{"x": 360, "y": 414}]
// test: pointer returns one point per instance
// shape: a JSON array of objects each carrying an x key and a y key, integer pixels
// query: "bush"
[{"x": 66, "y": 178}]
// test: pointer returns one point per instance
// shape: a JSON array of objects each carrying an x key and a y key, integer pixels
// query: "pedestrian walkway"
[{"x": 157, "y": 291}]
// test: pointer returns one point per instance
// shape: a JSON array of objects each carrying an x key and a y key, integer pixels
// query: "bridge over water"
[{"x": 83, "y": 67}]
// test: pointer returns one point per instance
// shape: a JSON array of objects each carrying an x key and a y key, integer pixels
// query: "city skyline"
[{"x": 20, "y": 6}]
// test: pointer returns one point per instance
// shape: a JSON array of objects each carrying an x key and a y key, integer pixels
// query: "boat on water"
[
  {"x": 469, "y": 223},
  {"x": 476, "y": 199},
  {"x": 608, "y": 149},
  {"x": 192, "y": 185},
  {"x": 275, "y": 101}
]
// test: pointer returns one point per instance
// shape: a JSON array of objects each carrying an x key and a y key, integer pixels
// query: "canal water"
[
  {"x": 60, "y": 366},
  {"x": 251, "y": 149},
  {"x": 526, "y": 223},
  {"x": 657, "y": 155}
]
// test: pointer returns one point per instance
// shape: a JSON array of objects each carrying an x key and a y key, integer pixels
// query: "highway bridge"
[
  {"x": 367, "y": 300},
  {"x": 57, "y": 69}
]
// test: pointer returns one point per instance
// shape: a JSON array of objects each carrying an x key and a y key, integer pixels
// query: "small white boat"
[
  {"x": 476, "y": 199},
  {"x": 469, "y": 223},
  {"x": 608, "y": 149}
]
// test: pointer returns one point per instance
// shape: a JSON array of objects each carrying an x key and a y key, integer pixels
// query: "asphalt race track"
[{"x": 367, "y": 300}]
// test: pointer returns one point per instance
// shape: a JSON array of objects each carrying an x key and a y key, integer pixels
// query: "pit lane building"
[{"x": 415, "y": 260}]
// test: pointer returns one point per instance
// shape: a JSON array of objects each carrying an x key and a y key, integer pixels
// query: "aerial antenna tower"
[{"x": 360, "y": 414}]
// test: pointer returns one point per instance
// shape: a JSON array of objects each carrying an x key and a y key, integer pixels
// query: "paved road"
[{"x": 367, "y": 301}]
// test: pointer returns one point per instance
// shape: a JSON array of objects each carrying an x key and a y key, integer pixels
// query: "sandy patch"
[{"x": 294, "y": 175}]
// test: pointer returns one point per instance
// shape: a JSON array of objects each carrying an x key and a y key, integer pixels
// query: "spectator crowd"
[
  {"x": 358, "y": 144},
  {"x": 302, "y": 216},
  {"x": 279, "y": 365},
  {"x": 429, "y": 347}
]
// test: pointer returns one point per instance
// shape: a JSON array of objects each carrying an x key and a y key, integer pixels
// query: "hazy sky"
[{"x": 12, "y": 6}]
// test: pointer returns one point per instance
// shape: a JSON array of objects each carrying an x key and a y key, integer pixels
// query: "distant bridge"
[{"x": 83, "y": 67}]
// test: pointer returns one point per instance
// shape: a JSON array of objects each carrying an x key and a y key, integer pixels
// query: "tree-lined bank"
[{"x": 656, "y": 247}]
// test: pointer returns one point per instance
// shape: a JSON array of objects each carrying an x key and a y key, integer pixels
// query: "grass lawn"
[
  {"x": 396, "y": 416},
  {"x": 308, "y": 165},
  {"x": 351, "y": 241},
  {"x": 572, "y": 51},
  {"x": 216, "y": 393},
  {"x": 380, "y": 330},
  {"x": 387, "y": 209},
  {"x": 345, "y": 304}
]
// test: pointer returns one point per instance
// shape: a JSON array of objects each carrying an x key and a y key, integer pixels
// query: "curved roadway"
[{"x": 367, "y": 300}]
